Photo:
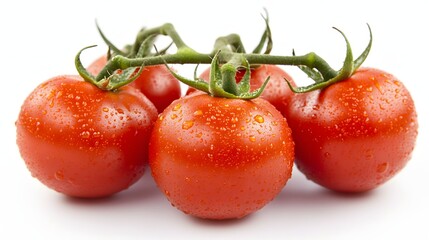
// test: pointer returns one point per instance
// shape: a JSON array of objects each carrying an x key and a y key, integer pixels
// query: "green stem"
[
  {"x": 311, "y": 60},
  {"x": 231, "y": 42},
  {"x": 310, "y": 63}
]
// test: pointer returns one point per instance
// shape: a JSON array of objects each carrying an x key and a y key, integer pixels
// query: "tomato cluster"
[{"x": 215, "y": 157}]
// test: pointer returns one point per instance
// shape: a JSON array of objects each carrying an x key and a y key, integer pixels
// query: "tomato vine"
[{"x": 227, "y": 50}]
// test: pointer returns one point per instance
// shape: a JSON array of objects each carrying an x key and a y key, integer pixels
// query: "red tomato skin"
[
  {"x": 217, "y": 158},
  {"x": 277, "y": 91},
  {"x": 155, "y": 82},
  {"x": 82, "y": 141},
  {"x": 356, "y": 134}
]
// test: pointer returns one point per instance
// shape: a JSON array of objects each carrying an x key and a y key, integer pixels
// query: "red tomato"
[
  {"x": 82, "y": 141},
  {"x": 356, "y": 134},
  {"x": 277, "y": 91},
  {"x": 156, "y": 82},
  {"x": 220, "y": 158}
]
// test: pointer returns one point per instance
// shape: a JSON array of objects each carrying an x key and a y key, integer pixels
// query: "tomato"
[
  {"x": 219, "y": 158},
  {"x": 277, "y": 91},
  {"x": 82, "y": 141},
  {"x": 156, "y": 82},
  {"x": 355, "y": 134}
]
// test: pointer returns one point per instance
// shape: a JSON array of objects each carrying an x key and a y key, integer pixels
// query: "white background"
[{"x": 39, "y": 40}]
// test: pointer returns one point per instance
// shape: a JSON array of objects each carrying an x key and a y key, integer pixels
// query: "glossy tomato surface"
[
  {"x": 82, "y": 141},
  {"x": 220, "y": 158},
  {"x": 356, "y": 134},
  {"x": 277, "y": 91},
  {"x": 155, "y": 82}
]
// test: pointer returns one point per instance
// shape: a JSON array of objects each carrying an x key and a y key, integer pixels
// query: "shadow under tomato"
[
  {"x": 221, "y": 223},
  {"x": 141, "y": 191},
  {"x": 304, "y": 196}
]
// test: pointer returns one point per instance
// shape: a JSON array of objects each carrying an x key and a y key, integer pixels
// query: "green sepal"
[
  {"x": 111, "y": 46},
  {"x": 266, "y": 37},
  {"x": 116, "y": 80},
  {"x": 88, "y": 77},
  {"x": 347, "y": 70}
]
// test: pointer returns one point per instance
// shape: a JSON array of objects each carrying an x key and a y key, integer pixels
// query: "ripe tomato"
[
  {"x": 155, "y": 82},
  {"x": 220, "y": 158},
  {"x": 356, "y": 134},
  {"x": 82, "y": 141},
  {"x": 277, "y": 92}
]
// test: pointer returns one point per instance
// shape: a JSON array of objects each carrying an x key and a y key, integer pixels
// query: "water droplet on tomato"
[
  {"x": 177, "y": 107},
  {"x": 252, "y": 138},
  {"x": 198, "y": 113},
  {"x": 259, "y": 119},
  {"x": 105, "y": 109},
  {"x": 85, "y": 134},
  {"x": 187, "y": 124},
  {"x": 377, "y": 85},
  {"x": 381, "y": 168},
  {"x": 59, "y": 175},
  {"x": 120, "y": 110},
  {"x": 173, "y": 116}
]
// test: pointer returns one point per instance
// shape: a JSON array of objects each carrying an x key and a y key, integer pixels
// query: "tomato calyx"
[
  {"x": 323, "y": 80},
  {"x": 116, "y": 80},
  {"x": 222, "y": 82}
]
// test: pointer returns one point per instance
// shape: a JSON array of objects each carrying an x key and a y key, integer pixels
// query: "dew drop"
[
  {"x": 198, "y": 113},
  {"x": 120, "y": 110},
  {"x": 234, "y": 119},
  {"x": 252, "y": 138},
  {"x": 59, "y": 175},
  {"x": 173, "y": 116},
  {"x": 259, "y": 119},
  {"x": 187, "y": 124},
  {"x": 85, "y": 134},
  {"x": 381, "y": 168},
  {"x": 105, "y": 109},
  {"x": 377, "y": 85},
  {"x": 177, "y": 107}
]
